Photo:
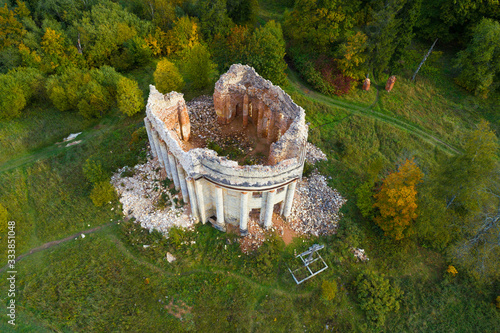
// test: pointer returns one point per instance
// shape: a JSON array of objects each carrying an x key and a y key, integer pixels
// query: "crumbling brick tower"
[{"x": 218, "y": 189}]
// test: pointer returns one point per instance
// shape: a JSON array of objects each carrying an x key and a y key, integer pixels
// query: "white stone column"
[
  {"x": 175, "y": 176},
  {"x": 268, "y": 217},
  {"x": 182, "y": 181},
  {"x": 244, "y": 213},
  {"x": 192, "y": 199},
  {"x": 156, "y": 141},
  {"x": 289, "y": 198},
  {"x": 164, "y": 155},
  {"x": 147, "y": 124},
  {"x": 219, "y": 206},
  {"x": 201, "y": 200}
]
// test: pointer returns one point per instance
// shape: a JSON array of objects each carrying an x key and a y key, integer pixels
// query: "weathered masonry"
[{"x": 218, "y": 189}]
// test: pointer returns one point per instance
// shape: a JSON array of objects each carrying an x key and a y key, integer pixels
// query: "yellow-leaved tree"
[
  {"x": 397, "y": 200},
  {"x": 167, "y": 77}
]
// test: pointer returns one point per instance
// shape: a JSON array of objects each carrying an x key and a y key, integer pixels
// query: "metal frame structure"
[{"x": 309, "y": 260}]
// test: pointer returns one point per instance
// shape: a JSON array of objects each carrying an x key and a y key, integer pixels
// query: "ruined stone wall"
[
  {"x": 219, "y": 190},
  {"x": 241, "y": 91}
]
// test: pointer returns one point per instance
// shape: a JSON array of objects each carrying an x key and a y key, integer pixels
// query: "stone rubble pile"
[
  {"x": 203, "y": 118},
  {"x": 360, "y": 254},
  {"x": 139, "y": 195},
  {"x": 254, "y": 239},
  {"x": 316, "y": 206},
  {"x": 314, "y": 154}
]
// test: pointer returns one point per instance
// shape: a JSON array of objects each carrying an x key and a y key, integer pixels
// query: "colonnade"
[{"x": 226, "y": 204}]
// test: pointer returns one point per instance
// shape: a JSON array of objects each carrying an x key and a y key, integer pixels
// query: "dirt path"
[
  {"x": 368, "y": 111},
  {"x": 48, "y": 245}
]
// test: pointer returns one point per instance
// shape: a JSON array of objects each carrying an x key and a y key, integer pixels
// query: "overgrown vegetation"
[{"x": 86, "y": 66}]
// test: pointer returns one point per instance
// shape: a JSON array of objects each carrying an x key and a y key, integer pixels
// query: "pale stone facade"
[{"x": 218, "y": 189}]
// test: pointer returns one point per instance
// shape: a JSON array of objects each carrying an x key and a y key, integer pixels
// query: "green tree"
[
  {"x": 94, "y": 100},
  {"x": 198, "y": 67},
  {"x": 231, "y": 49},
  {"x": 457, "y": 196},
  {"x": 130, "y": 100},
  {"x": 377, "y": 296},
  {"x": 213, "y": 18},
  {"x": 63, "y": 90},
  {"x": 351, "y": 55},
  {"x": 104, "y": 30},
  {"x": 479, "y": 63},
  {"x": 11, "y": 29},
  {"x": 365, "y": 200},
  {"x": 396, "y": 200},
  {"x": 12, "y": 97},
  {"x": 317, "y": 24},
  {"x": 31, "y": 80},
  {"x": 267, "y": 52},
  {"x": 242, "y": 11},
  {"x": 167, "y": 77}
]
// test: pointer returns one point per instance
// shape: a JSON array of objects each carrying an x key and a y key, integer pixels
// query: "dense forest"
[{"x": 420, "y": 172}]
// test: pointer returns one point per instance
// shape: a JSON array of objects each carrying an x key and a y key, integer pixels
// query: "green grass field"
[{"x": 108, "y": 281}]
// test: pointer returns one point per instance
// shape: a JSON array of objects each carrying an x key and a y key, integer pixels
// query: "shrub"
[
  {"x": 102, "y": 193},
  {"x": 365, "y": 199},
  {"x": 92, "y": 170},
  {"x": 329, "y": 290},
  {"x": 376, "y": 296}
]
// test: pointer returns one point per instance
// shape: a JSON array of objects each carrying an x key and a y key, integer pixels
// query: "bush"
[
  {"x": 329, "y": 290},
  {"x": 365, "y": 199},
  {"x": 377, "y": 296},
  {"x": 102, "y": 193},
  {"x": 92, "y": 170}
]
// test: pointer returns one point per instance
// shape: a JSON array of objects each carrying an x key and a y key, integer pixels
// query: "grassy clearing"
[
  {"x": 47, "y": 194},
  {"x": 39, "y": 126}
]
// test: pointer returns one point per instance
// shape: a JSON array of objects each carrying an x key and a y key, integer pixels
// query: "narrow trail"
[
  {"x": 48, "y": 245},
  {"x": 126, "y": 252},
  {"x": 368, "y": 111}
]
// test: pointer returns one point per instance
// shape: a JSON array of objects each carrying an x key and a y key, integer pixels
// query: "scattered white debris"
[
  {"x": 146, "y": 246},
  {"x": 170, "y": 258},
  {"x": 314, "y": 154},
  {"x": 73, "y": 143},
  {"x": 72, "y": 136},
  {"x": 140, "y": 194},
  {"x": 83, "y": 235},
  {"x": 360, "y": 254},
  {"x": 316, "y": 206}
]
